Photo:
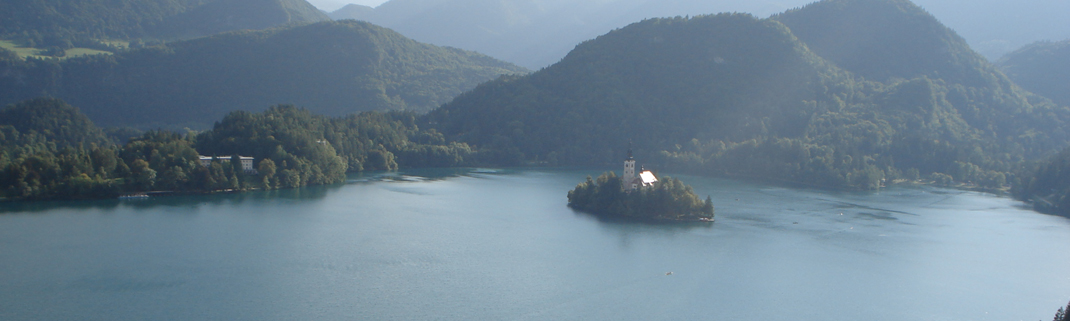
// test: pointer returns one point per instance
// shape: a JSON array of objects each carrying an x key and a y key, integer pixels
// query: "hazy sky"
[{"x": 332, "y": 5}]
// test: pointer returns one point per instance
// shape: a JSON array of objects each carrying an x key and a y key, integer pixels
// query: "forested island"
[{"x": 666, "y": 199}]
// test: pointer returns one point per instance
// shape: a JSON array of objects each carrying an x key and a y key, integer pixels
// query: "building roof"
[
  {"x": 647, "y": 177},
  {"x": 224, "y": 157}
]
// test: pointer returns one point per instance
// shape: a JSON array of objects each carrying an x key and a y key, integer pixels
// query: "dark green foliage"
[
  {"x": 733, "y": 95},
  {"x": 333, "y": 68},
  {"x": 225, "y": 15},
  {"x": 668, "y": 199},
  {"x": 291, "y": 148},
  {"x": 46, "y": 22},
  {"x": 883, "y": 39},
  {"x": 1043, "y": 68},
  {"x": 1047, "y": 184},
  {"x": 48, "y": 120},
  {"x": 64, "y": 23},
  {"x": 292, "y": 138},
  {"x": 319, "y": 150}
]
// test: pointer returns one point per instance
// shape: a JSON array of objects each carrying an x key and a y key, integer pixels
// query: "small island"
[{"x": 640, "y": 196}]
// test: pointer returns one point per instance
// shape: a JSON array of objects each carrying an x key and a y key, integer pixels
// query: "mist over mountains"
[{"x": 535, "y": 33}]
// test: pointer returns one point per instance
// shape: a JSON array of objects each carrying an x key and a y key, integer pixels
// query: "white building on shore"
[{"x": 246, "y": 162}]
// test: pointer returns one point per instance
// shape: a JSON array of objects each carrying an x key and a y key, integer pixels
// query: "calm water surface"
[{"x": 502, "y": 245}]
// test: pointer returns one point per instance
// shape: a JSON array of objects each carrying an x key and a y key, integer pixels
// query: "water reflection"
[
  {"x": 424, "y": 174},
  {"x": 308, "y": 193}
]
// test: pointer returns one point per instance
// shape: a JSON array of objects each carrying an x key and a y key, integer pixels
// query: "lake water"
[{"x": 502, "y": 245}]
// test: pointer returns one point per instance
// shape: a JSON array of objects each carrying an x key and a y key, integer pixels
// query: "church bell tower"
[{"x": 629, "y": 169}]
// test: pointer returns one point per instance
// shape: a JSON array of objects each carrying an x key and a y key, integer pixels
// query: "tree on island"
[{"x": 666, "y": 199}]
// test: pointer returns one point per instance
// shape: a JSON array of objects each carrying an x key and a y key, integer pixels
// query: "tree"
[
  {"x": 266, "y": 169},
  {"x": 1061, "y": 315},
  {"x": 144, "y": 177}
]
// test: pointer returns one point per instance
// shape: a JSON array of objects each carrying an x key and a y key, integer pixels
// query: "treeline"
[
  {"x": 667, "y": 199},
  {"x": 49, "y": 150}
]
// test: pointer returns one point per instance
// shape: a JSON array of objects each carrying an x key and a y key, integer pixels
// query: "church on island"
[{"x": 632, "y": 182}]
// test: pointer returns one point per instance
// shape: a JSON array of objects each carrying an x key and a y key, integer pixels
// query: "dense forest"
[
  {"x": 1043, "y": 68},
  {"x": 734, "y": 95},
  {"x": 1046, "y": 184},
  {"x": 49, "y": 150},
  {"x": 63, "y": 23},
  {"x": 332, "y": 68},
  {"x": 667, "y": 199}
]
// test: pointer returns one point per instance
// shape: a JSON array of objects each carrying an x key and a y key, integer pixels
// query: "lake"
[{"x": 483, "y": 244}]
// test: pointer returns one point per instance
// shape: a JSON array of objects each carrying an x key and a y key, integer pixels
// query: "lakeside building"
[
  {"x": 630, "y": 180},
  {"x": 246, "y": 162}
]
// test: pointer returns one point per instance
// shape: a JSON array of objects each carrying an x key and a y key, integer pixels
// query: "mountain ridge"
[
  {"x": 43, "y": 23},
  {"x": 750, "y": 98},
  {"x": 331, "y": 68},
  {"x": 1041, "y": 67}
]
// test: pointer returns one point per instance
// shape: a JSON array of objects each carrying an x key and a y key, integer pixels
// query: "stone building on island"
[{"x": 631, "y": 181}]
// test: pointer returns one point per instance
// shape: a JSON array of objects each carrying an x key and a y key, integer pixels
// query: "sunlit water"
[{"x": 502, "y": 245}]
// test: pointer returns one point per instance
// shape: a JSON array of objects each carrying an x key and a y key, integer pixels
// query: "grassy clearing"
[
  {"x": 21, "y": 51},
  {"x": 25, "y": 52}
]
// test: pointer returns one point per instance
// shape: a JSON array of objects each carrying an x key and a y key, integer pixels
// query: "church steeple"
[{"x": 629, "y": 169}]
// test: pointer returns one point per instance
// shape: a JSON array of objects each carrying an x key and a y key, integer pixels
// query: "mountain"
[
  {"x": 351, "y": 11},
  {"x": 997, "y": 27},
  {"x": 44, "y": 23},
  {"x": 893, "y": 40},
  {"x": 1043, "y": 68},
  {"x": 331, "y": 68},
  {"x": 537, "y": 33},
  {"x": 735, "y": 95},
  {"x": 532, "y": 33},
  {"x": 226, "y": 15}
]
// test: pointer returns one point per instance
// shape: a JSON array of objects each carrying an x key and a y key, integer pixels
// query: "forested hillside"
[
  {"x": 1043, "y": 68},
  {"x": 332, "y": 68},
  {"x": 46, "y": 121},
  {"x": 45, "y": 23},
  {"x": 734, "y": 95},
  {"x": 226, "y": 15},
  {"x": 49, "y": 150}
]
